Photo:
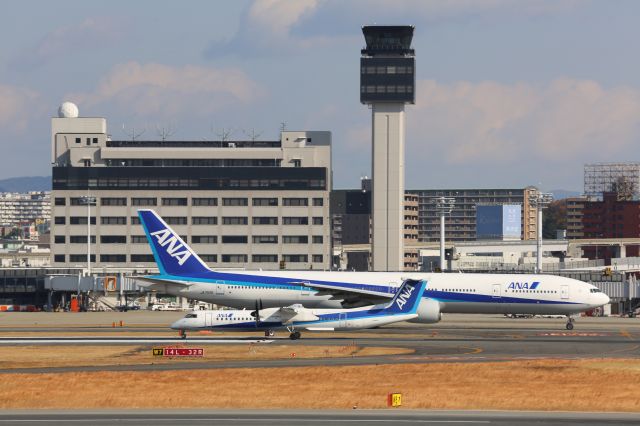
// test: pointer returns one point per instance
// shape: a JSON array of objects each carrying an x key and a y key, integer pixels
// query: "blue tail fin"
[
  {"x": 173, "y": 256},
  {"x": 407, "y": 298}
]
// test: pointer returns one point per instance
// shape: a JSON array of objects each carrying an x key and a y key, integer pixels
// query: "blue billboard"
[{"x": 498, "y": 222}]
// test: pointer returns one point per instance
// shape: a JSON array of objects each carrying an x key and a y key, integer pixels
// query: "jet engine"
[{"x": 428, "y": 312}]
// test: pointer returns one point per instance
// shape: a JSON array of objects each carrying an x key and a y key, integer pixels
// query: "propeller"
[{"x": 256, "y": 313}]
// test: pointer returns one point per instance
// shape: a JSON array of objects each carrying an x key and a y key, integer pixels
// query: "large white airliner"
[{"x": 183, "y": 273}]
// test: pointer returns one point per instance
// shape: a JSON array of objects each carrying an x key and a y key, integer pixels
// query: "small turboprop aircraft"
[{"x": 402, "y": 307}]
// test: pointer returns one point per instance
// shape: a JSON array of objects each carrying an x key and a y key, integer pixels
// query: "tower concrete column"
[{"x": 388, "y": 186}]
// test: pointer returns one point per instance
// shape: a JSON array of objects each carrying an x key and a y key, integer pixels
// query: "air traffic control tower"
[{"x": 387, "y": 83}]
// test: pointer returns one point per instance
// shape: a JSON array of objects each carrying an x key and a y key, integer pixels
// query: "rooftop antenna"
[
  {"x": 283, "y": 126},
  {"x": 252, "y": 135},
  {"x": 165, "y": 132},
  {"x": 132, "y": 133}
]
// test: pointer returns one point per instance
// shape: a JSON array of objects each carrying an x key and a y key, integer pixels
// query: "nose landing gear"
[{"x": 569, "y": 325}]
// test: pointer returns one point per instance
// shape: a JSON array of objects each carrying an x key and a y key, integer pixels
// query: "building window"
[
  {"x": 59, "y": 239},
  {"x": 144, "y": 201},
  {"x": 135, "y": 220},
  {"x": 60, "y": 201},
  {"x": 59, "y": 258},
  {"x": 295, "y": 202},
  {"x": 317, "y": 202},
  {"x": 264, "y": 258},
  {"x": 317, "y": 239},
  {"x": 113, "y": 258},
  {"x": 235, "y": 202},
  {"x": 81, "y": 258},
  {"x": 113, "y": 220},
  {"x": 204, "y": 201},
  {"x": 148, "y": 258},
  {"x": 234, "y": 220},
  {"x": 317, "y": 220},
  {"x": 78, "y": 140},
  {"x": 234, "y": 258},
  {"x": 81, "y": 220},
  {"x": 113, "y": 239},
  {"x": 138, "y": 239},
  {"x": 95, "y": 140},
  {"x": 295, "y": 239},
  {"x": 174, "y": 202},
  {"x": 86, "y": 162},
  {"x": 265, "y": 239},
  {"x": 175, "y": 220},
  {"x": 265, "y": 220},
  {"x": 317, "y": 258},
  {"x": 295, "y": 220},
  {"x": 59, "y": 220},
  {"x": 209, "y": 258},
  {"x": 113, "y": 201},
  {"x": 81, "y": 239},
  {"x": 295, "y": 258},
  {"x": 234, "y": 239},
  {"x": 204, "y": 239},
  {"x": 267, "y": 202},
  {"x": 204, "y": 220}
]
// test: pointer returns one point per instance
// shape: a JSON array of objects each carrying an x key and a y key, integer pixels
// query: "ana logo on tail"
[
  {"x": 174, "y": 248},
  {"x": 402, "y": 298}
]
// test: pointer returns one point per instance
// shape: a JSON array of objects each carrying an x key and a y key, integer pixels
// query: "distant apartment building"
[
  {"x": 29, "y": 212},
  {"x": 411, "y": 254},
  {"x": 239, "y": 204},
  {"x": 461, "y": 224},
  {"x": 575, "y": 212},
  {"x": 611, "y": 217}
]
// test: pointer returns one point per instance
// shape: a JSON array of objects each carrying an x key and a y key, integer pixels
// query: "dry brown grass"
[
  {"x": 64, "y": 356},
  {"x": 585, "y": 385}
]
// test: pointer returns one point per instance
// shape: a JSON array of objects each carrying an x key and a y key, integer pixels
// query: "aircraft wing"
[
  {"x": 351, "y": 297},
  {"x": 296, "y": 313}
]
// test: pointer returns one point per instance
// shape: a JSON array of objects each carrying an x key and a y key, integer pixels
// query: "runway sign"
[
  {"x": 178, "y": 352},
  {"x": 394, "y": 400}
]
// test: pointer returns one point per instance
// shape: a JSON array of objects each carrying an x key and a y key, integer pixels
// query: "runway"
[
  {"x": 461, "y": 338},
  {"x": 297, "y": 417}
]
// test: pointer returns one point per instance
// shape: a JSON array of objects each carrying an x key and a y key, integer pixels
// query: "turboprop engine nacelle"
[{"x": 428, "y": 312}]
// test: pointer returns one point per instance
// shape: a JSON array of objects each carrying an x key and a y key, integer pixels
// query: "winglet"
[
  {"x": 407, "y": 298},
  {"x": 173, "y": 256}
]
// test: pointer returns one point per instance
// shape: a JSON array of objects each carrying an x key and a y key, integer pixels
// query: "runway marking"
[
  {"x": 626, "y": 334},
  {"x": 572, "y": 334},
  {"x": 632, "y": 348}
]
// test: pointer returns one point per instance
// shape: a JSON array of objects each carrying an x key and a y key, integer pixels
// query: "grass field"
[{"x": 574, "y": 385}]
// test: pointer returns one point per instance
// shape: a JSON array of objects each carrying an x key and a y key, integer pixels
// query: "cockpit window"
[
  {"x": 596, "y": 290},
  {"x": 191, "y": 316}
]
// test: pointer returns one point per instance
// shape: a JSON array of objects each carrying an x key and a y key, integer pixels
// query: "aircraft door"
[
  {"x": 497, "y": 292},
  {"x": 219, "y": 288},
  {"x": 564, "y": 291},
  {"x": 305, "y": 290},
  {"x": 208, "y": 319},
  {"x": 342, "y": 320}
]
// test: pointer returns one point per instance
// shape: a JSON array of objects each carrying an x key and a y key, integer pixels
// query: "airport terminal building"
[{"x": 239, "y": 204}]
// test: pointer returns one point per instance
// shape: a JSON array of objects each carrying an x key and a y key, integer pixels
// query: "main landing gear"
[
  {"x": 182, "y": 334},
  {"x": 569, "y": 325},
  {"x": 295, "y": 335},
  {"x": 268, "y": 333}
]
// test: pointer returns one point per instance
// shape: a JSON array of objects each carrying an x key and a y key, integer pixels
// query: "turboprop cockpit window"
[{"x": 191, "y": 316}]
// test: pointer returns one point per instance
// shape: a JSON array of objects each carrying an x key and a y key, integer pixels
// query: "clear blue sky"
[{"x": 510, "y": 92}]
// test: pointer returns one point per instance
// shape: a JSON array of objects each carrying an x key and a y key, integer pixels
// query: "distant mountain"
[
  {"x": 26, "y": 184},
  {"x": 559, "y": 194}
]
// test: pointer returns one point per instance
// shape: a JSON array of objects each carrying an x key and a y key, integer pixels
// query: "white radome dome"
[{"x": 68, "y": 110}]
